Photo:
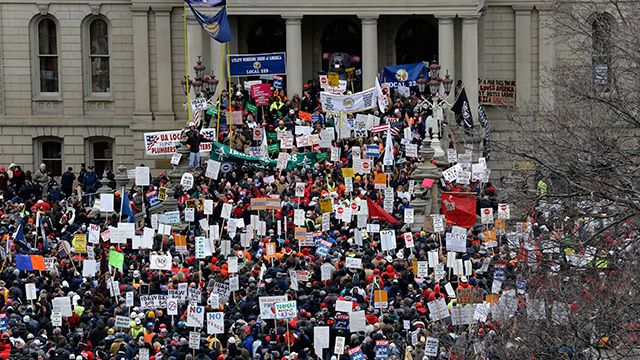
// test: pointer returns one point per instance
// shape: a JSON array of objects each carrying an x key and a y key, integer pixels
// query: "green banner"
[
  {"x": 251, "y": 108},
  {"x": 220, "y": 152}
]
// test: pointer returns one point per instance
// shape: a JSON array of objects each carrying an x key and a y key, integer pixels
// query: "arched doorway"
[
  {"x": 267, "y": 35},
  {"x": 416, "y": 40},
  {"x": 341, "y": 44}
]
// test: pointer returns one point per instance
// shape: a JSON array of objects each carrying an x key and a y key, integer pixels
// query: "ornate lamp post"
[
  {"x": 439, "y": 90},
  {"x": 200, "y": 82}
]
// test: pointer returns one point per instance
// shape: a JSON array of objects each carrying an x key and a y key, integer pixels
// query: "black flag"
[
  {"x": 462, "y": 110},
  {"x": 482, "y": 117}
]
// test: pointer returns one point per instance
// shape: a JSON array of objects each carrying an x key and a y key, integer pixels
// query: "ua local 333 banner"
[
  {"x": 164, "y": 142},
  {"x": 258, "y": 64}
]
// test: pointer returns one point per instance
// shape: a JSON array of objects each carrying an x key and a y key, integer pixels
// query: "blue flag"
[
  {"x": 207, "y": 3},
  {"x": 126, "y": 208},
  {"x": 19, "y": 234},
  {"x": 216, "y": 26}
]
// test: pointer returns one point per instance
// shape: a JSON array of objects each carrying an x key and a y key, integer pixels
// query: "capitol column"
[
  {"x": 546, "y": 57},
  {"x": 523, "y": 54},
  {"x": 164, "y": 93},
  {"x": 369, "y": 51},
  {"x": 446, "y": 46},
  {"x": 140, "y": 21},
  {"x": 294, "y": 55},
  {"x": 470, "y": 61},
  {"x": 194, "y": 46}
]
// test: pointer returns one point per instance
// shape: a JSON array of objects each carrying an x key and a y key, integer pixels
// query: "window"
[
  {"x": 50, "y": 153},
  {"x": 100, "y": 151},
  {"x": 48, "y": 56},
  {"x": 99, "y": 56},
  {"x": 602, "y": 26}
]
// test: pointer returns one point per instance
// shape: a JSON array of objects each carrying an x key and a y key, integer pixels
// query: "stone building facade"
[{"x": 80, "y": 82}]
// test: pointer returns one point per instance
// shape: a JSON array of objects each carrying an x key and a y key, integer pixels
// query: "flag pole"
[
  {"x": 186, "y": 58},
  {"x": 228, "y": 46}
]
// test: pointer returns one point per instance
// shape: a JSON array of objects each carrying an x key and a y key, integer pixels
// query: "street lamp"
[
  {"x": 208, "y": 82},
  {"x": 422, "y": 84},
  {"x": 439, "y": 89}
]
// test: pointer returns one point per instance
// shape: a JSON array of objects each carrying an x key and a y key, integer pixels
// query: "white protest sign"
[
  {"x": 62, "y": 304},
  {"x": 215, "y": 323},
  {"x": 160, "y": 262},
  {"x": 189, "y": 214},
  {"x": 286, "y": 310},
  {"x": 143, "y": 354},
  {"x": 213, "y": 169},
  {"x": 142, "y": 176},
  {"x": 186, "y": 181},
  {"x": 344, "y": 306},
  {"x": 94, "y": 233},
  {"x": 353, "y": 263},
  {"x": 431, "y": 347},
  {"x": 175, "y": 158},
  {"x": 486, "y": 216},
  {"x": 194, "y": 340},
  {"x": 129, "y": 299},
  {"x": 208, "y": 206},
  {"x": 408, "y": 240},
  {"x": 122, "y": 322},
  {"x": 321, "y": 336},
  {"x": 226, "y": 211},
  {"x": 268, "y": 305},
  {"x": 172, "y": 306},
  {"x": 357, "y": 321},
  {"x": 195, "y": 316},
  {"x": 338, "y": 349},
  {"x": 408, "y": 216},
  {"x": 89, "y": 268},
  {"x": 504, "y": 212},
  {"x": 30, "y": 290},
  {"x": 300, "y": 189},
  {"x": 106, "y": 202}
]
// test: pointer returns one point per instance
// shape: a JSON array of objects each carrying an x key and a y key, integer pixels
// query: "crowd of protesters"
[{"x": 41, "y": 214}]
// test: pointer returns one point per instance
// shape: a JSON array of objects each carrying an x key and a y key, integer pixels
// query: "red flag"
[
  {"x": 459, "y": 208},
  {"x": 378, "y": 213}
]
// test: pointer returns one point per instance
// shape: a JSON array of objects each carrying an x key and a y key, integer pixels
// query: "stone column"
[
  {"x": 470, "y": 62},
  {"x": 546, "y": 58},
  {"x": 142, "y": 101},
  {"x": 194, "y": 45},
  {"x": 163, "y": 64},
  {"x": 523, "y": 54},
  {"x": 369, "y": 51},
  {"x": 219, "y": 63},
  {"x": 446, "y": 46},
  {"x": 294, "y": 55}
]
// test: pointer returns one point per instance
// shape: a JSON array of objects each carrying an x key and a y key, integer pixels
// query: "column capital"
[
  {"x": 445, "y": 18},
  {"x": 292, "y": 19},
  {"x": 473, "y": 19},
  {"x": 545, "y": 9},
  {"x": 368, "y": 19},
  {"x": 162, "y": 9},
  {"x": 138, "y": 10},
  {"x": 522, "y": 9}
]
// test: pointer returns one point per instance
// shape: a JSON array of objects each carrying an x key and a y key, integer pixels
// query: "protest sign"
[
  {"x": 215, "y": 323},
  {"x": 286, "y": 310},
  {"x": 257, "y": 64},
  {"x": 195, "y": 316},
  {"x": 160, "y": 262},
  {"x": 268, "y": 305},
  {"x": 348, "y": 103}
]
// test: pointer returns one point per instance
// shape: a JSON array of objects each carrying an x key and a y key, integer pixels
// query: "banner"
[
  {"x": 164, "y": 142},
  {"x": 258, "y": 64},
  {"x": 459, "y": 208},
  {"x": 223, "y": 153},
  {"x": 404, "y": 75},
  {"x": 496, "y": 92},
  {"x": 348, "y": 103}
]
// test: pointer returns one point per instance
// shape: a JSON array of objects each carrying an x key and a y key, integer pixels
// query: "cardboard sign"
[
  {"x": 469, "y": 295},
  {"x": 215, "y": 323},
  {"x": 160, "y": 262},
  {"x": 380, "y": 299}
]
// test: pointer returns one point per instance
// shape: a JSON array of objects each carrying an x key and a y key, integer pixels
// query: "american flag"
[
  {"x": 396, "y": 126},
  {"x": 151, "y": 141},
  {"x": 379, "y": 128}
]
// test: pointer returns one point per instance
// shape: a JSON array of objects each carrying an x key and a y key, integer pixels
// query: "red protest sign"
[{"x": 261, "y": 93}]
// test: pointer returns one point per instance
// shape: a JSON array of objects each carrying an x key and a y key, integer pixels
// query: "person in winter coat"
[{"x": 66, "y": 182}]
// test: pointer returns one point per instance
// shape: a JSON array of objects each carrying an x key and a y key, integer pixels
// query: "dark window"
[
  {"x": 51, "y": 155},
  {"x": 48, "y": 56},
  {"x": 99, "y": 56},
  {"x": 602, "y": 27},
  {"x": 102, "y": 156}
]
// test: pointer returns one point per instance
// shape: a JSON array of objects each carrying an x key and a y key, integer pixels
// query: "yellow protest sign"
[
  {"x": 381, "y": 179},
  {"x": 326, "y": 206},
  {"x": 380, "y": 299},
  {"x": 80, "y": 243},
  {"x": 162, "y": 194},
  {"x": 333, "y": 79},
  {"x": 348, "y": 172}
]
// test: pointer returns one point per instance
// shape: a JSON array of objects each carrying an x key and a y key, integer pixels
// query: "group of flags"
[{"x": 216, "y": 26}]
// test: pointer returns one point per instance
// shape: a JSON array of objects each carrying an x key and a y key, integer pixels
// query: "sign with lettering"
[{"x": 496, "y": 92}]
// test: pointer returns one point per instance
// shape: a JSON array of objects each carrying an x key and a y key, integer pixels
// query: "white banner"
[
  {"x": 164, "y": 142},
  {"x": 348, "y": 103}
]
